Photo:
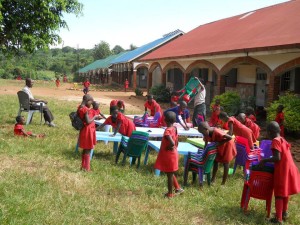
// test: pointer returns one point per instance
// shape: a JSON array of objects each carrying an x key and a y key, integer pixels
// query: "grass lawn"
[{"x": 41, "y": 183}]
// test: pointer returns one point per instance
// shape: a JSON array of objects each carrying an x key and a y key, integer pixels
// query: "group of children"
[{"x": 286, "y": 174}]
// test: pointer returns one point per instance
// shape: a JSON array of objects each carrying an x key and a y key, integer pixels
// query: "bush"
[
  {"x": 138, "y": 92},
  {"x": 291, "y": 103},
  {"x": 230, "y": 101},
  {"x": 161, "y": 93}
]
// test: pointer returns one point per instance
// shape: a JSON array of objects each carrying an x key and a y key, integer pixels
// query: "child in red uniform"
[
  {"x": 126, "y": 85},
  {"x": 280, "y": 119},
  {"x": 250, "y": 113},
  {"x": 95, "y": 111},
  {"x": 174, "y": 99},
  {"x": 119, "y": 122},
  {"x": 119, "y": 103},
  {"x": 57, "y": 82},
  {"x": 286, "y": 174},
  {"x": 19, "y": 129},
  {"x": 226, "y": 147},
  {"x": 152, "y": 105},
  {"x": 167, "y": 159},
  {"x": 216, "y": 109},
  {"x": 87, "y": 135},
  {"x": 250, "y": 124},
  {"x": 238, "y": 129},
  {"x": 86, "y": 86}
]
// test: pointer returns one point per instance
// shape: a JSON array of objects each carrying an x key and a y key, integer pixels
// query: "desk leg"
[
  {"x": 146, "y": 155},
  {"x": 115, "y": 149}
]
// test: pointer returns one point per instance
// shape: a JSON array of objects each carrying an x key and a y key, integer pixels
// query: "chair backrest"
[
  {"x": 265, "y": 146},
  {"x": 23, "y": 101},
  {"x": 261, "y": 185},
  {"x": 137, "y": 143},
  {"x": 192, "y": 85},
  {"x": 241, "y": 149}
]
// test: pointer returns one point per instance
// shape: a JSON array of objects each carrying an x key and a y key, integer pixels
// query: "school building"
[{"x": 256, "y": 53}]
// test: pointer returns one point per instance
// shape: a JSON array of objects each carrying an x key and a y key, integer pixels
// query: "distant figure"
[
  {"x": 286, "y": 174},
  {"x": 19, "y": 77},
  {"x": 86, "y": 86},
  {"x": 126, "y": 85},
  {"x": 280, "y": 119},
  {"x": 65, "y": 78},
  {"x": 57, "y": 82},
  {"x": 19, "y": 129}
]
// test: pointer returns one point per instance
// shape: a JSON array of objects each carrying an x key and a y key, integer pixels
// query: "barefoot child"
[
  {"x": 286, "y": 174},
  {"x": 19, "y": 129},
  {"x": 225, "y": 146},
  {"x": 57, "y": 82},
  {"x": 87, "y": 135},
  {"x": 167, "y": 159}
]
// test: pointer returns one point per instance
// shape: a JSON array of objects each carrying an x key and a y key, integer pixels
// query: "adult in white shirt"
[
  {"x": 35, "y": 103},
  {"x": 199, "y": 104}
]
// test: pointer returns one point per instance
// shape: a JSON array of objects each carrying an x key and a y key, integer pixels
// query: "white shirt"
[
  {"x": 26, "y": 89},
  {"x": 200, "y": 97}
]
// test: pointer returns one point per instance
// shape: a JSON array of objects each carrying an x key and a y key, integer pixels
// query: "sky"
[{"x": 138, "y": 22}]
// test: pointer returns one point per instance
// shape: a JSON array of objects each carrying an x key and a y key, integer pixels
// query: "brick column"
[
  {"x": 273, "y": 88},
  {"x": 149, "y": 82},
  {"x": 185, "y": 77},
  {"x": 134, "y": 79}
]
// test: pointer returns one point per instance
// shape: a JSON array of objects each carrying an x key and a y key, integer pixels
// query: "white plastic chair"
[{"x": 25, "y": 106}]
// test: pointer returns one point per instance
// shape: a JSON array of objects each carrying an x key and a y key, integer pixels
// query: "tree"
[
  {"x": 117, "y": 49},
  {"x": 32, "y": 24},
  {"x": 132, "y": 47},
  {"x": 101, "y": 51}
]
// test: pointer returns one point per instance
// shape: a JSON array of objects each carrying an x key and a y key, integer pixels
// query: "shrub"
[
  {"x": 291, "y": 103},
  {"x": 230, "y": 101},
  {"x": 161, "y": 93},
  {"x": 138, "y": 92}
]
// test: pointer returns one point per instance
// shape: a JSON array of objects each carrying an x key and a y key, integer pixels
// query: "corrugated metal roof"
[
  {"x": 138, "y": 52},
  {"x": 275, "y": 26},
  {"x": 100, "y": 63}
]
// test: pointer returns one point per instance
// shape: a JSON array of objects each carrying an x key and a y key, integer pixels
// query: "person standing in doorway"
[{"x": 126, "y": 85}]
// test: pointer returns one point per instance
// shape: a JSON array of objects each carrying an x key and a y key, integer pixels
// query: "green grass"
[{"x": 41, "y": 183}]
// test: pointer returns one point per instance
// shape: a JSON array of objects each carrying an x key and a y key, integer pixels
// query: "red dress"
[
  {"x": 253, "y": 126},
  {"x": 279, "y": 119},
  {"x": 18, "y": 130},
  {"x": 286, "y": 174},
  {"x": 87, "y": 135},
  {"x": 113, "y": 102},
  {"x": 126, "y": 84},
  {"x": 127, "y": 126},
  {"x": 86, "y": 84},
  {"x": 240, "y": 129},
  {"x": 252, "y": 117},
  {"x": 95, "y": 112},
  {"x": 154, "y": 107},
  {"x": 167, "y": 159},
  {"x": 214, "y": 119},
  {"x": 226, "y": 151}
]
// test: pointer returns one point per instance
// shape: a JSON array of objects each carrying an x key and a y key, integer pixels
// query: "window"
[
  {"x": 285, "y": 81},
  {"x": 231, "y": 78}
]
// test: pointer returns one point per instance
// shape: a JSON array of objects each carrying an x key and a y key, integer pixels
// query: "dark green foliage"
[
  {"x": 291, "y": 103},
  {"x": 31, "y": 24},
  {"x": 117, "y": 49},
  {"x": 138, "y": 92},
  {"x": 101, "y": 51},
  {"x": 161, "y": 93},
  {"x": 230, "y": 101}
]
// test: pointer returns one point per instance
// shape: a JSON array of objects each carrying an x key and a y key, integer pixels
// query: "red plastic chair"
[{"x": 260, "y": 186}]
